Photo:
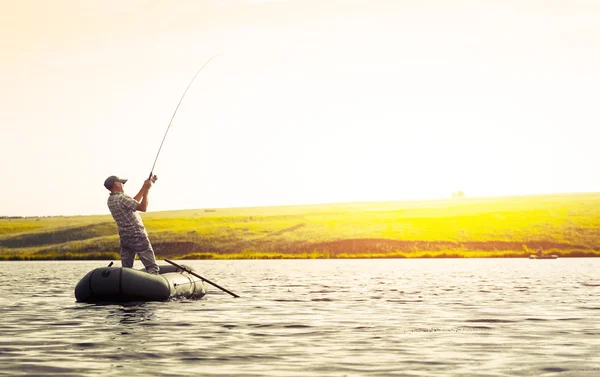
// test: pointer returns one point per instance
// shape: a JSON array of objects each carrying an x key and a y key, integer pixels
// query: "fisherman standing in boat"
[{"x": 133, "y": 235}]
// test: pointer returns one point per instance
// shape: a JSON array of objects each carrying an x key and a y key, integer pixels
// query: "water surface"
[{"x": 424, "y": 317}]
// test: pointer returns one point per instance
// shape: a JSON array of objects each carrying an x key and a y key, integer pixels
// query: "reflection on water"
[
  {"x": 501, "y": 317},
  {"x": 131, "y": 313}
]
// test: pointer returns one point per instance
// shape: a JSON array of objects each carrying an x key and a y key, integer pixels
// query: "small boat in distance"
[
  {"x": 541, "y": 255},
  {"x": 119, "y": 284}
]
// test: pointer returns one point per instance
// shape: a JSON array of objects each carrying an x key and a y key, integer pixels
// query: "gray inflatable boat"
[{"x": 118, "y": 284}]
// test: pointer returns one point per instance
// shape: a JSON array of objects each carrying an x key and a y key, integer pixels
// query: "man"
[
  {"x": 540, "y": 253},
  {"x": 134, "y": 238}
]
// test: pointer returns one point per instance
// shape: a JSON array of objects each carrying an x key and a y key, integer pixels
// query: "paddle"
[{"x": 198, "y": 276}]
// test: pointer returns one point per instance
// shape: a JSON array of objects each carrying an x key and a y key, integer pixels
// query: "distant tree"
[{"x": 458, "y": 194}]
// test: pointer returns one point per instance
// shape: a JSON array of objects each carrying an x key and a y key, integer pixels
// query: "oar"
[{"x": 198, "y": 276}]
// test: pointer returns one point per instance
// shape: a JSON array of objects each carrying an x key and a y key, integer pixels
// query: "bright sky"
[{"x": 309, "y": 101}]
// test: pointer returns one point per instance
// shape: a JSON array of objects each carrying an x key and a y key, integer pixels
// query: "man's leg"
[
  {"x": 146, "y": 253},
  {"x": 127, "y": 253}
]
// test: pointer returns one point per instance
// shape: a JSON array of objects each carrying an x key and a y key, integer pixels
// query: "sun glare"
[{"x": 306, "y": 102}]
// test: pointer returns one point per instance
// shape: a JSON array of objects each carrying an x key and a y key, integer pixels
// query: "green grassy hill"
[{"x": 565, "y": 224}]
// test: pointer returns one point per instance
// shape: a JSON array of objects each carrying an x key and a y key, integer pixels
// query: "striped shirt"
[{"x": 124, "y": 210}]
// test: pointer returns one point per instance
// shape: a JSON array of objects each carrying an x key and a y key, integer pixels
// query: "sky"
[{"x": 307, "y": 101}]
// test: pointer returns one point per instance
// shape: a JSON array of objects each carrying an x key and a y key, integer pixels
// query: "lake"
[{"x": 387, "y": 317}]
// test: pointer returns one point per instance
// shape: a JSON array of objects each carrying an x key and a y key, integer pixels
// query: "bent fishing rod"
[{"x": 173, "y": 117}]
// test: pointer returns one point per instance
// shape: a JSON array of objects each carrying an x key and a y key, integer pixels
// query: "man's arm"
[{"x": 142, "y": 196}]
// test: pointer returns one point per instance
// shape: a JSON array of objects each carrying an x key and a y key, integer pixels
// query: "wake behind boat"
[{"x": 118, "y": 284}]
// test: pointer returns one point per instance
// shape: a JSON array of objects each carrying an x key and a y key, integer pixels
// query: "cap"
[{"x": 110, "y": 181}]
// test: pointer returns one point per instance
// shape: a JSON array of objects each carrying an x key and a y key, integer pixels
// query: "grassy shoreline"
[
  {"x": 567, "y": 225},
  {"x": 316, "y": 255}
]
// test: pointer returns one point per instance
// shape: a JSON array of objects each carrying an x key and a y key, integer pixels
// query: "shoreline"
[
  {"x": 304, "y": 256},
  {"x": 508, "y": 227}
]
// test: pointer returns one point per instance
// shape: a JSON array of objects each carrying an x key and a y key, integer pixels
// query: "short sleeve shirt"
[{"x": 123, "y": 209}]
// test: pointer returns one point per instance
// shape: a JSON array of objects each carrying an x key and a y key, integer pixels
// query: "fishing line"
[{"x": 175, "y": 112}]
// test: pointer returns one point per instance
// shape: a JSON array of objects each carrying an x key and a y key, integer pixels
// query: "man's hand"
[{"x": 147, "y": 184}]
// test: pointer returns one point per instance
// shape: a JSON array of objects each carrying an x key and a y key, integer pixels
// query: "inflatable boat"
[
  {"x": 119, "y": 284},
  {"x": 546, "y": 256}
]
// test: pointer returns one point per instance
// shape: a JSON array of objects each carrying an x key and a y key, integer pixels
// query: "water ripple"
[{"x": 313, "y": 318}]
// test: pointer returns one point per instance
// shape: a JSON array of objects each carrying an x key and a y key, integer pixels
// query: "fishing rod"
[{"x": 173, "y": 117}]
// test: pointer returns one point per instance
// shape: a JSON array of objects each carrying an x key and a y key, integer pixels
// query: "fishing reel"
[{"x": 154, "y": 178}]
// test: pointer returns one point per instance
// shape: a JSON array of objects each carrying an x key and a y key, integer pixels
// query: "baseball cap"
[{"x": 111, "y": 181}]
